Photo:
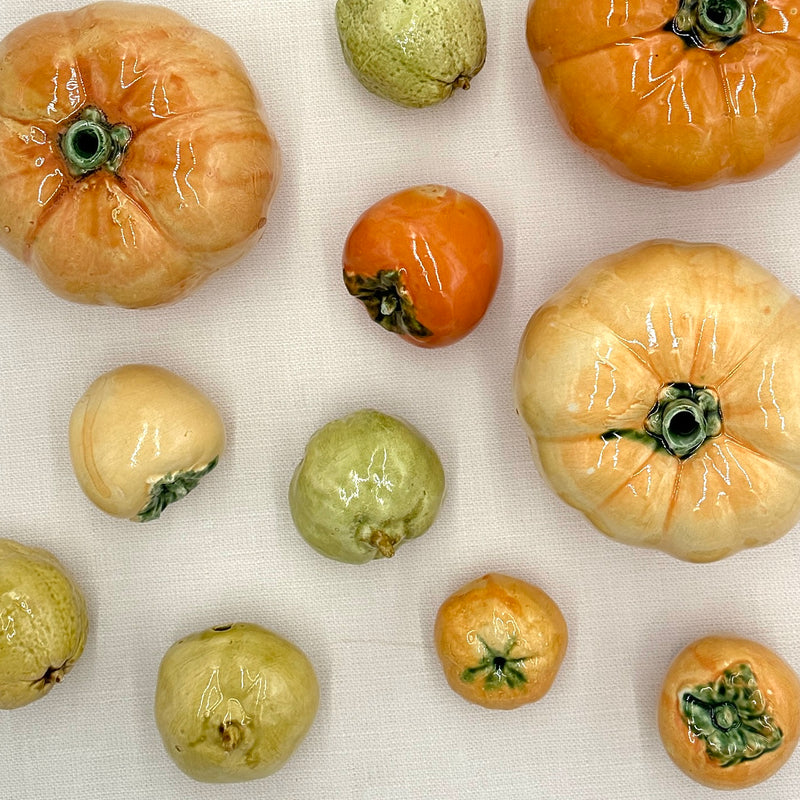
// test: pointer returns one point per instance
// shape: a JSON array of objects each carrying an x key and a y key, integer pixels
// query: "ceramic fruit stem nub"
[
  {"x": 711, "y": 24},
  {"x": 684, "y": 417},
  {"x": 90, "y": 142}
]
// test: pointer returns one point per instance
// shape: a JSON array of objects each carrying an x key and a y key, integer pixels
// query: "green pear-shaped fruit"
[
  {"x": 367, "y": 483},
  {"x": 233, "y": 702},
  {"x": 43, "y": 623},
  {"x": 413, "y": 52}
]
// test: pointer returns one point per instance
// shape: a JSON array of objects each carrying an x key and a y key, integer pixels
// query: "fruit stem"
[
  {"x": 383, "y": 543},
  {"x": 91, "y": 142},
  {"x": 387, "y": 301},
  {"x": 712, "y": 24},
  {"x": 684, "y": 417},
  {"x": 231, "y": 734}
]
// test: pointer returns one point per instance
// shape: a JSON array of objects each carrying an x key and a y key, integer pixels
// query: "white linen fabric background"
[{"x": 281, "y": 347}]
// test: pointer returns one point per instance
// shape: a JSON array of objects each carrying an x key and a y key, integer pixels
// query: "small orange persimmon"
[
  {"x": 425, "y": 262},
  {"x": 729, "y": 712},
  {"x": 501, "y": 641}
]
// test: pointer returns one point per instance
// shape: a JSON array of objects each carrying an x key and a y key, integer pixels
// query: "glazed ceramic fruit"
[
  {"x": 729, "y": 712},
  {"x": 367, "y": 483},
  {"x": 501, "y": 641},
  {"x": 682, "y": 93},
  {"x": 234, "y": 702},
  {"x": 413, "y": 52},
  {"x": 134, "y": 161},
  {"x": 425, "y": 262},
  {"x": 660, "y": 394},
  {"x": 43, "y": 623},
  {"x": 141, "y": 438}
]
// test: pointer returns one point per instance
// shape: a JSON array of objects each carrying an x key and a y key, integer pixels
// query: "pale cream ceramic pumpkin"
[{"x": 661, "y": 394}]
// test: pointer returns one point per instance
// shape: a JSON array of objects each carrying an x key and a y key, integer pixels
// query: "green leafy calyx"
[
  {"x": 732, "y": 717},
  {"x": 497, "y": 668},
  {"x": 387, "y": 301},
  {"x": 170, "y": 488}
]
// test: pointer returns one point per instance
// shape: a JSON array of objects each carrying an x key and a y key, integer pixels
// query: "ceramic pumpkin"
[
  {"x": 659, "y": 390},
  {"x": 680, "y": 93},
  {"x": 729, "y": 712},
  {"x": 134, "y": 161}
]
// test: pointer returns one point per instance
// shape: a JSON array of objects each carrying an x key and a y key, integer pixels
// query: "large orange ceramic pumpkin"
[
  {"x": 134, "y": 161},
  {"x": 681, "y": 93}
]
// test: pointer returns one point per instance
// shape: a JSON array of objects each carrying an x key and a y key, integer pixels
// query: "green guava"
[
  {"x": 367, "y": 483},
  {"x": 233, "y": 702},
  {"x": 43, "y": 623},
  {"x": 413, "y": 52}
]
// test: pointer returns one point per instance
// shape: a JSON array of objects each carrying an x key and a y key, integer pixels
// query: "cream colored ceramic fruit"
[
  {"x": 661, "y": 394},
  {"x": 234, "y": 702},
  {"x": 141, "y": 438},
  {"x": 729, "y": 712},
  {"x": 43, "y": 623}
]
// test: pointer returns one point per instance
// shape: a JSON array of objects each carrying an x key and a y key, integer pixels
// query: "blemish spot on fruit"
[{"x": 262, "y": 222}]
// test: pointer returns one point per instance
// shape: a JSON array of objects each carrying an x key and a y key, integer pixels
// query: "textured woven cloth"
[{"x": 281, "y": 347}]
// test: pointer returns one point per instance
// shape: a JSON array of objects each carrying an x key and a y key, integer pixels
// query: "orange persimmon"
[
  {"x": 679, "y": 93},
  {"x": 134, "y": 160},
  {"x": 500, "y": 641},
  {"x": 729, "y": 712},
  {"x": 425, "y": 262}
]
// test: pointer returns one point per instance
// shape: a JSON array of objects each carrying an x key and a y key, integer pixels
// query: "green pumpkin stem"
[
  {"x": 90, "y": 143},
  {"x": 684, "y": 417},
  {"x": 711, "y": 24}
]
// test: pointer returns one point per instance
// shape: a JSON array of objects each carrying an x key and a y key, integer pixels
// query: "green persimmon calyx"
[
  {"x": 684, "y": 417},
  {"x": 731, "y": 717},
  {"x": 90, "y": 142},
  {"x": 387, "y": 301},
  {"x": 171, "y": 488},
  {"x": 710, "y": 24},
  {"x": 497, "y": 667}
]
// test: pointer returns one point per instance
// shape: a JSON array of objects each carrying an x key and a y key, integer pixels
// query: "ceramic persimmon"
[
  {"x": 729, "y": 712},
  {"x": 425, "y": 262},
  {"x": 134, "y": 159},
  {"x": 500, "y": 641},
  {"x": 660, "y": 393},
  {"x": 679, "y": 93},
  {"x": 141, "y": 438}
]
